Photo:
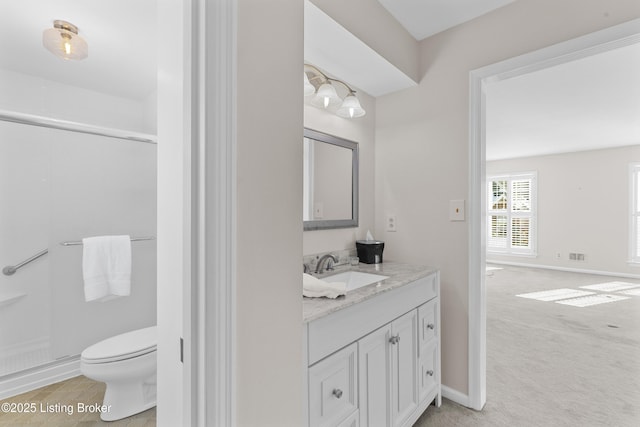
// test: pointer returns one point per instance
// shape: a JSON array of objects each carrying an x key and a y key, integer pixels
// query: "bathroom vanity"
[{"x": 372, "y": 357}]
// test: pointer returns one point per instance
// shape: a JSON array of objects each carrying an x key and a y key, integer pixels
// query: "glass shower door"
[{"x": 25, "y": 295}]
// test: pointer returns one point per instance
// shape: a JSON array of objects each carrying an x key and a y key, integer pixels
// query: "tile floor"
[{"x": 57, "y": 406}]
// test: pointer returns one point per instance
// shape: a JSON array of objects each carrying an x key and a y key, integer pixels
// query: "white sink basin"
[{"x": 354, "y": 279}]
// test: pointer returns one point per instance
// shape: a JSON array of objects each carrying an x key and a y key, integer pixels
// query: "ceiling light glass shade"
[
  {"x": 308, "y": 87},
  {"x": 326, "y": 96},
  {"x": 351, "y": 108},
  {"x": 64, "y": 42}
]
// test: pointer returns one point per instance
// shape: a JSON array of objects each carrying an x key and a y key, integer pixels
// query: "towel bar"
[{"x": 133, "y": 239}]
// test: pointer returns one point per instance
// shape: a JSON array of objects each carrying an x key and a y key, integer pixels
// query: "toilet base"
[
  {"x": 122, "y": 400},
  {"x": 130, "y": 385}
]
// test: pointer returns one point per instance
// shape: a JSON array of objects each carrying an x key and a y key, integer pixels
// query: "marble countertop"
[{"x": 399, "y": 275}]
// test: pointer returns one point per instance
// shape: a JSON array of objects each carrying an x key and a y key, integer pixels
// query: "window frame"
[
  {"x": 634, "y": 213},
  {"x": 532, "y": 214}
]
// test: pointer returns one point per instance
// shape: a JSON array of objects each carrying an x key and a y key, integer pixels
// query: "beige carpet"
[{"x": 551, "y": 364}]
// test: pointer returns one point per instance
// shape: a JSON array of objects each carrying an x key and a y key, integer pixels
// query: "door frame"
[
  {"x": 196, "y": 237},
  {"x": 601, "y": 41}
]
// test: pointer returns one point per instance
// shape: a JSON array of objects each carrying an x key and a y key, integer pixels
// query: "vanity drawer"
[
  {"x": 427, "y": 369},
  {"x": 333, "y": 390},
  {"x": 428, "y": 321}
]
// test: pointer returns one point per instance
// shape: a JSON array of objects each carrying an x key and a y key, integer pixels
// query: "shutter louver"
[{"x": 511, "y": 214}]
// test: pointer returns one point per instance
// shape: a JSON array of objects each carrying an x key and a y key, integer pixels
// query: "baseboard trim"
[
  {"x": 568, "y": 269},
  {"x": 31, "y": 379},
  {"x": 456, "y": 396}
]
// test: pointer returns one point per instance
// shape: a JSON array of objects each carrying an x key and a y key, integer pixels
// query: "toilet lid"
[{"x": 123, "y": 346}]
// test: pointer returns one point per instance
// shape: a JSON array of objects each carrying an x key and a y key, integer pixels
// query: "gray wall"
[
  {"x": 583, "y": 206},
  {"x": 269, "y": 213},
  {"x": 422, "y": 135}
]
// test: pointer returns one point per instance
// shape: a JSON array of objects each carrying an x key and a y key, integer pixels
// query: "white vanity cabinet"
[
  {"x": 376, "y": 363},
  {"x": 387, "y": 363}
]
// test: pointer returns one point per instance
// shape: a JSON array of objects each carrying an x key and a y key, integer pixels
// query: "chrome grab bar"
[
  {"x": 11, "y": 269},
  {"x": 133, "y": 239}
]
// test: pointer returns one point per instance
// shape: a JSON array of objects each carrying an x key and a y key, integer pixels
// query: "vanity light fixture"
[
  {"x": 326, "y": 95},
  {"x": 64, "y": 42}
]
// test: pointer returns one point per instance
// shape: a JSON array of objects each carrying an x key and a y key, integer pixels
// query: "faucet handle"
[
  {"x": 305, "y": 268},
  {"x": 329, "y": 265}
]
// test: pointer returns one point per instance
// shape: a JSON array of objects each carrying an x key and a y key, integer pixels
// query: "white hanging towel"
[{"x": 106, "y": 267}]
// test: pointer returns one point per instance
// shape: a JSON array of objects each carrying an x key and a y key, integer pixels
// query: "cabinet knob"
[
  {"x": 394, "y": 339},
  {"x": 337, "y": 393},
  {"x": 431, "y": 326},
  {"x": 430, "y": 373}
]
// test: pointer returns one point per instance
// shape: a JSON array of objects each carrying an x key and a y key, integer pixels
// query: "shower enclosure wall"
[{"x": 57, "y": 186}]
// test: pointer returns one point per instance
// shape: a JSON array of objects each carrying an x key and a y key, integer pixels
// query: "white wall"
[
  {"x": 583, "y": 206},
  {"x": 422, "y": 143},
  {"x": 362, "y": 131},
  {"x": 269, "y": 213},
  {"x": 35, "y": 95}
]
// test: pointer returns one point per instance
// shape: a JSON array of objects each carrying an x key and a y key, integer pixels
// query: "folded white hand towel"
[
  {"x": 106, "y": 267},
  {"x": 314, "y": 287}
]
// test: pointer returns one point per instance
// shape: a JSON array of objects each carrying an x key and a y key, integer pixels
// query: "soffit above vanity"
[
  {"x": 424, "y": 18},
  {"x": 332, "y": 48}
]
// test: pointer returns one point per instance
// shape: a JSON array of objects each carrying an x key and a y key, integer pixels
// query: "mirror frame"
[{"x": 328, "y": 224}]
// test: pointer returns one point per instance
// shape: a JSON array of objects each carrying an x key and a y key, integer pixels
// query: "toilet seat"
[{"x": 122, "y": 347}]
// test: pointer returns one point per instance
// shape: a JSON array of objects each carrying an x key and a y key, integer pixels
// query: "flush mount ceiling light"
[
  {"x": 64, "y": 42},
  {"x": 324, "y": 93}
]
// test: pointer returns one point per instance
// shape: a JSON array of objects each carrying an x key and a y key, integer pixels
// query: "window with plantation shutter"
[
  {"x": 511, "y": 216},
  {"x": 634, "y": 235}
]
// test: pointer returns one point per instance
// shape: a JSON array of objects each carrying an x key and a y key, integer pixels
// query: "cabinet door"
[
  {"x": 374, "y": 364},
  {"x": 333, "y": 390},
  {"x": 429, "y": 376},
  {"x": 352, "y": 421},
  {"x": 404, "y": 367}
]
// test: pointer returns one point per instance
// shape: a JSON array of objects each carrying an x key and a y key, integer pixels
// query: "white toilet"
[{"x": 127, "y": 364}]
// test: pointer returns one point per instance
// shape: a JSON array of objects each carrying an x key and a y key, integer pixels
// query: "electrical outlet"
[
  {"x": 392, "y": 225},
  {"x": 558, "y": 255}
]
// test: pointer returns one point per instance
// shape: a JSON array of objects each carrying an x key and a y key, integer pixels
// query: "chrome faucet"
[{"x": 330, "y": 261}]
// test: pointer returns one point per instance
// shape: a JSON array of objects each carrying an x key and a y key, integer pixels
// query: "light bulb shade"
[
  {"x": 326, "y": 96},
  {"x": 351, "y": 108},
  {"x": 64, "y": 42},
  {"x": 308, "y": 87}
]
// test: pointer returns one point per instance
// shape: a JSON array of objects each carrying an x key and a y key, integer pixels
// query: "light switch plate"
[{"x": 456, "y": 210}]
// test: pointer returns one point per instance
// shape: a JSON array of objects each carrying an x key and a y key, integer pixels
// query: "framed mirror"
[{"x": 330, "y": 170}]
